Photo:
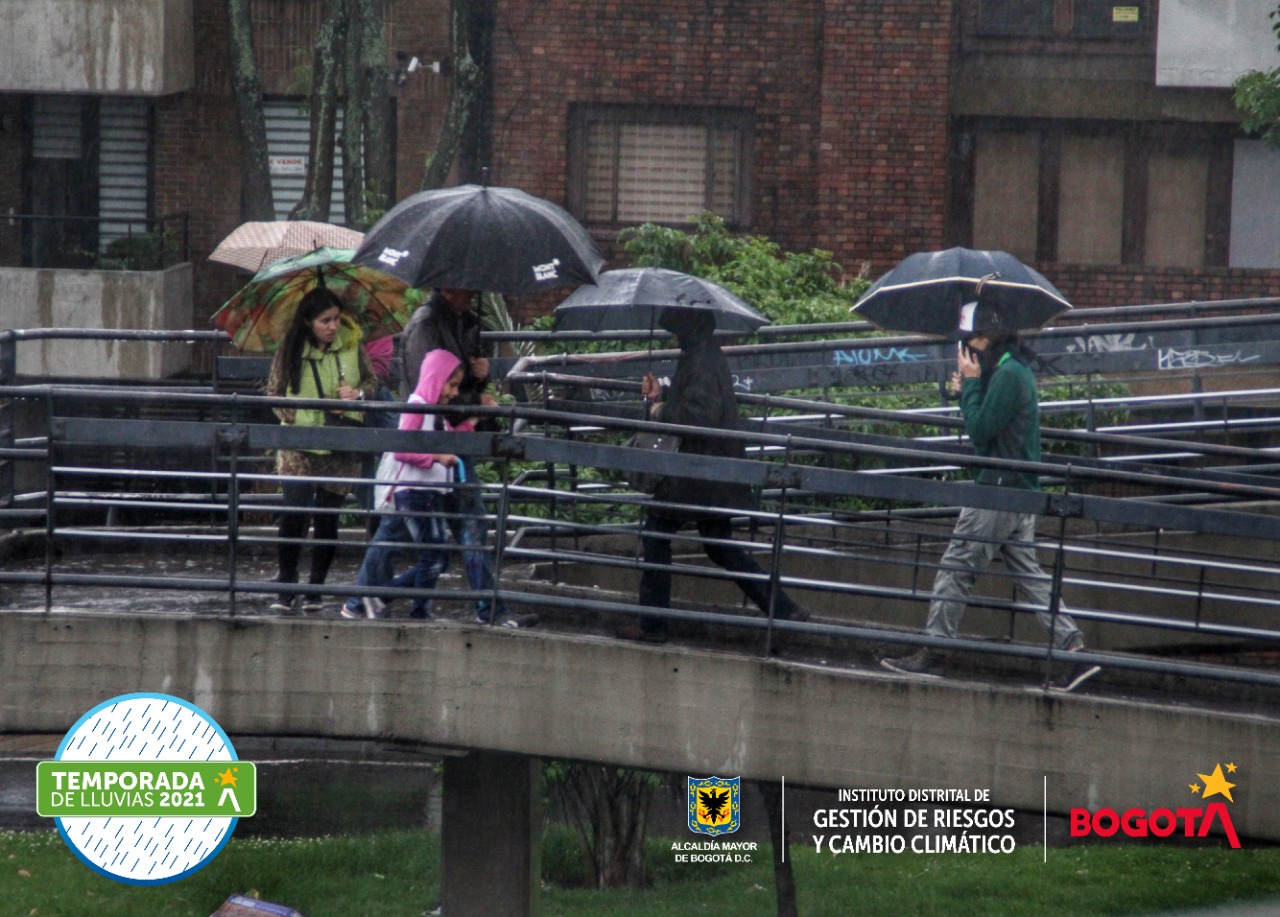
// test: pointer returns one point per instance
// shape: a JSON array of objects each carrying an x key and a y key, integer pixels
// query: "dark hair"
[
  {"x": 319, "y": 300},
  {"x": 687, "y": 324}
]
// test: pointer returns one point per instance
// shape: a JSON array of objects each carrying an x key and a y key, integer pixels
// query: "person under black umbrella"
[
  {"x": 1002, "y": 418},
  {"x": 448, "y": 321},
  {"x": 700, "y": 396}
]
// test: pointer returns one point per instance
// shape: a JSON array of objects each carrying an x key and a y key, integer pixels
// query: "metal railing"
[
  {"x": 824, "y": 513},
  {"x": 852, "y": 518},
  {"x": 109, "y": 243}
]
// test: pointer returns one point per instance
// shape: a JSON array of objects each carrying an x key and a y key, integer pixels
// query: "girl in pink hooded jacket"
[{"x": 426, "y": 478}]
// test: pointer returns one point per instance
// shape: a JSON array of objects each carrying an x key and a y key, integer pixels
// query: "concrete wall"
[
  {"x": 135, "y": 300},
  {"x": 1212, "y": 42},
  {"x": 127, "y": 47},
  {"x": 671, "y": 708}
]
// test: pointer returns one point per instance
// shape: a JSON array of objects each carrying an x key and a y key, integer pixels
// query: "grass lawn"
[{"x": 399, "y": 874}]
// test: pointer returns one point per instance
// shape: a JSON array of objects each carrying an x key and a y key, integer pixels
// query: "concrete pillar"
[{"x": 492, "y": 835}]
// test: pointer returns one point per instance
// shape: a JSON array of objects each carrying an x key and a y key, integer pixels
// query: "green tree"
[
  {"x": 1257, "y": 96},
  {"x": 791, "y": 288}
]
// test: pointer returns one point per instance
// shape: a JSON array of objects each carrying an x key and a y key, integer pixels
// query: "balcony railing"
[{"x": 94, "y": 243}]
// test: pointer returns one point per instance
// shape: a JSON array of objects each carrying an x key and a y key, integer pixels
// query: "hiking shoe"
[
  {"x": 921, "y": 663},
  {"x": 1076, "y": 674},
  {"x": 519, "y": 622},
  {"x": 372, "y": 607}
]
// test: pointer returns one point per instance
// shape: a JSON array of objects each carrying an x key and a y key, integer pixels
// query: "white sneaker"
[
  {"x": 1076, "y": 674},
  {"x": 373, "y": 607}
]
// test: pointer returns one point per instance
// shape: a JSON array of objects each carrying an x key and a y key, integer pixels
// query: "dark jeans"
[
  {"x": 655, "y": 585},
  {"x": 470, "y": 528},
  {"x": 293, "y": 528}
]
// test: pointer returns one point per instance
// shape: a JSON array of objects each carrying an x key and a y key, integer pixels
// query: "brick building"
[{"x": 1066, "y": 131}]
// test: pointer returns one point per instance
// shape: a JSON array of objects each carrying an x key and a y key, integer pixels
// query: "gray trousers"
[{"x": 980, "y": 535}]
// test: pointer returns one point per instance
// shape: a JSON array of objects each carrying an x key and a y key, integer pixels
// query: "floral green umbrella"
[{"x": 258, "y": 316}]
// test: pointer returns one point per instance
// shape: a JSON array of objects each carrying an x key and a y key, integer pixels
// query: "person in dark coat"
[
  {"x": 448, "y": 321},
  {"x": 700, "y": 395}
]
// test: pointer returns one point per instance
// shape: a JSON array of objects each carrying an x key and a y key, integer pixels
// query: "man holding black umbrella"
[
  {"x": 1002, "y": 418},
  {"x": 448, "y": 321}
]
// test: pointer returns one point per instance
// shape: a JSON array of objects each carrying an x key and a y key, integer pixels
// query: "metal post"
[
  {"x": 48, "y": 505},
  {"x": 234, "y": 438},
  {"x": 1055, "y": 589},
  {"x": 8, "y": 376},
  {"x": 778, "y": 530},
  {"x": 500, "y": 538}
]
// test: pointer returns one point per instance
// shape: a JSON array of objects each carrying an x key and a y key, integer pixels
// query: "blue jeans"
[
  {"x": 379, "y": 565},
  {"x": 420, "y": 509}
]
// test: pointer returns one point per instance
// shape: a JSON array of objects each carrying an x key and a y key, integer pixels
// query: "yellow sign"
[{"x": 1124, "y": 14}]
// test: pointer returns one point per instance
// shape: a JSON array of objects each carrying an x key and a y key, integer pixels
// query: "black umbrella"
[
  {"x": 475, "y": 237},
  {"x": 924, "y": 293},
  {"x": 631, "y": 299}
]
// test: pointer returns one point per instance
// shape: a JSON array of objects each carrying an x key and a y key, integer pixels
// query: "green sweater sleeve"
[{"x": 987, "y": 413}]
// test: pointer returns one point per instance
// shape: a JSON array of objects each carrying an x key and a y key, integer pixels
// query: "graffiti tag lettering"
[
  {"x": 878, "y": 355},
  {"x": 1108, "y": 343},
  {"x": 1199, "y": 359}
]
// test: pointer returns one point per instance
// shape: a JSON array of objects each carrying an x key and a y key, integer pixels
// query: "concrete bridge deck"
[{"x": 556, "y": 694}]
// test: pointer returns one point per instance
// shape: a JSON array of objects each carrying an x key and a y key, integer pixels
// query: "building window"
[
  {"x": 89, "y": 175},
  {"x": 635, "y": 164},
  {"x": 288, "y": 156},
  {"x": 1095, "y": 193},
  {"x": 1063, "y": 18},
  {"x": 1255, "y": 206}
]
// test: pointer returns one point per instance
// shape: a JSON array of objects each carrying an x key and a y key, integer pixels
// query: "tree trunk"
[
  {"x": 353, "y": 120},
  {"x": 476, "y": 152},
  {"x": 318, "y": 191},
  {"x": 466, "y": 87},
  {"x": 375, "y": 100},
  {"x": 783, "y": 880},
  {"x": 256, "y": 201}
]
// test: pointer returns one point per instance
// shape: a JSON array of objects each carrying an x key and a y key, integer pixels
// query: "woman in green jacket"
[{"x": 319, "y": 357}]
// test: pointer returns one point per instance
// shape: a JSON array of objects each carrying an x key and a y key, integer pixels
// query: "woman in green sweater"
[{"x": 319, "y": 357}]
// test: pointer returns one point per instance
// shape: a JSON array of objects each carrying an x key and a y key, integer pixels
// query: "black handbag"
[{"x": 646, "y": 481}]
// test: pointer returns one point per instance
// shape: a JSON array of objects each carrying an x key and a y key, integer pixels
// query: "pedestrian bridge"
[
  {"x": 1158, "y": 532},
  {"x": 697, "y": 711}
]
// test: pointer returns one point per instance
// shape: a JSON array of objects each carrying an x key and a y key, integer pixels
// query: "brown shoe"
[{"x": 635, "y": 631}]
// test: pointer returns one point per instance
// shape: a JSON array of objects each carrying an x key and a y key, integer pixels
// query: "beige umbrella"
[{"x": 253, "y": 246}]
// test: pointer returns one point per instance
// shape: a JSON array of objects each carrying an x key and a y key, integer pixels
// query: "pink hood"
[{"x": 437, "y": 367}]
